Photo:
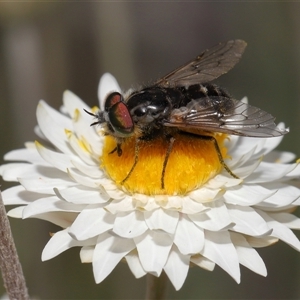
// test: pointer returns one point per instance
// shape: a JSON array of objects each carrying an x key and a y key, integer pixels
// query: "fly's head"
[{"x": 115, "y": 118}]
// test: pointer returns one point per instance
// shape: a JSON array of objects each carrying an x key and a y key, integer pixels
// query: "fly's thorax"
[{"x": 149, "y": 105}]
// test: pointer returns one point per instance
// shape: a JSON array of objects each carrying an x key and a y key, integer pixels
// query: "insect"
[{"x": 185, "y": 102}]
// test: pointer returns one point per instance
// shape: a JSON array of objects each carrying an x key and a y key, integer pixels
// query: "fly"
[{"x": 185, "y": 102}]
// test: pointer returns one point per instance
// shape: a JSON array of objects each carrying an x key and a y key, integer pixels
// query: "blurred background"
[{"x": 46, "y": 48}]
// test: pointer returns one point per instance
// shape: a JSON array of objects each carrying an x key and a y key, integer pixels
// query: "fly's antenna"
[
  {"x": 91, "y": 114},
  {"x": 98, "y": 116}
]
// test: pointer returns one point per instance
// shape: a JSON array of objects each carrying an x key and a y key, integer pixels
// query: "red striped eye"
[
  {"x": 112, "y": 99},
  {"x": 119, "y": 115}
]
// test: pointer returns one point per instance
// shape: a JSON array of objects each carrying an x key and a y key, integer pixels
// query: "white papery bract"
[{"x": 220, "y": 223}]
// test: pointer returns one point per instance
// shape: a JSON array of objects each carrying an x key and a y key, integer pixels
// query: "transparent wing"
[
  {"x": 207, "y": 66},
  {"x": 221, "y": 114}
]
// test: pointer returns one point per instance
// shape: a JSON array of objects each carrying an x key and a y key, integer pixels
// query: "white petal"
[
  {"x": 219, "y": 249},
  {"x": 134, "y": 264},
  {"x": 50, "y": 204},
  {"x": 203, "y": 262},
  {"x": 93, "y": 141},
  {"x": 82, "y": 195},
  {"x": 141, "y": 199},
  {"x": 18, "y": 195},
  {"x": 12, "y": 172},
  {"x": 284, "y": 196},
  {"x": 90, "y": 222},
  {"x": 217, "y": 218},
  {"x": 61, "y": 219},
  {"x": 116, "y": 206},
  {"x": 53, "y": 125},
  {"x": 37, "y": 130},
  {"x": 86, "y": 254},
  {"x": 190, "y": 206},
  {"x": 153, "y": 248},
  {"x": 248, "y": 257},
  {"x": 189, "y": 238},
  {"x": 295, "y": 173},
  {"x": 16, "y": 212},
  {"x": 203, "y": 194},
  {"x": 107, "y": 84},
  {"x": 247, "y": 195},
  {"x": 111, "y": 187},
  {"x": 173, "y": 203},
  {"x": 271, "y": 143},
  {"x": 221, "y": 181},
  {"x": 248, "y": 221},
  {"x": 231, "y": 143},
  {"x": 81, "y": 151},
  {"x": 247, "y": 169},
  {"x": 30, "y": 155},
  {"x": 161, "y": 200},
  {"x": 84, "y": 180},
  {"x": 130, "y": 224},
  {"x": 46, "y": 185},
  {"x": 162, "y": 219},
  {"x": 73, "y": 102},
  {"x": 89, "y": 170},
  {"x": 241, "y": 158},
  {"x": 58, "y": 160},
  {"x": 265, "y": 145},
  {"x": 60, "y": 242},
  {"x": 113, "y": 193},
  {"x": 108, "y": 252},
  {"x": 282, "y": 157},
  {"x": 289, "y": 220},
  {"x": 268, "y": 172},
  {"x": 281, "y": 231},
  {"x": 245, "y": 145},
  {"x": 147, "y": 203},
  {"x": 261, "y": 242},
  {"x": 177, "y": 267}
]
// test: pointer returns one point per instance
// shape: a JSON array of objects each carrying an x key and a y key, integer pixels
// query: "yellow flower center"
[{"x": 192, "y": 162}]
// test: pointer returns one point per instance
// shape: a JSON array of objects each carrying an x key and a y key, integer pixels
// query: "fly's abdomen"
[{"x": 198, "y": 91}]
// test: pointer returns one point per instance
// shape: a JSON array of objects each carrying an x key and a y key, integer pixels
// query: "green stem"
[
  {"x": 156, "y": 287},
  {"x": 10, "y": 265}
]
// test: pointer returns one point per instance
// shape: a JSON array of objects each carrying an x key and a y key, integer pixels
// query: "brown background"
[{"x": 46, "y": 48}]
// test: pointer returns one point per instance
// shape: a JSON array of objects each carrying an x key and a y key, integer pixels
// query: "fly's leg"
[
  {"x": 221, "y": 157},
  {"x": 136, "y": 157},
  {"x": 214, "y": 141},
  {"x": 118, "y": 149},
  {"x": 171, "y": 142}
]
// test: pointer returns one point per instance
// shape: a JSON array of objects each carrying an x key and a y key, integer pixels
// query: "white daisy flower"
[{"x": 72, "y": 179}]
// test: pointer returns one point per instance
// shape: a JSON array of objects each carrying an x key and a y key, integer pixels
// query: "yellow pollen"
[{"x": 192, "y": 162}]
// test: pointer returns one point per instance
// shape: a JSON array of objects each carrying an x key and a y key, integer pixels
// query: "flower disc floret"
[{"x": 192, "y": 162}]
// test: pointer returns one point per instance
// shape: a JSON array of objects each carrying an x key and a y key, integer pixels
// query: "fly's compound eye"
[
  {"x": 112, "y": 99},
  {"x": 118, "y": 115}
]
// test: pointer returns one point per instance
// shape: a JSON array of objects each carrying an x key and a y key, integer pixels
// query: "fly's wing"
[
  {"x": 221, "y": 114},
  {"x": 207, "y": 66}
]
